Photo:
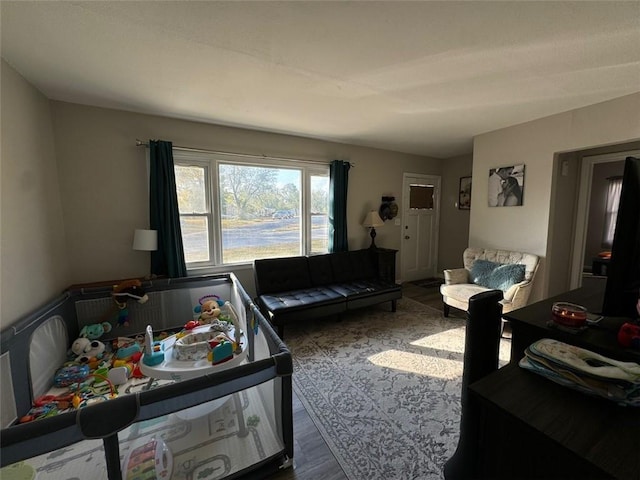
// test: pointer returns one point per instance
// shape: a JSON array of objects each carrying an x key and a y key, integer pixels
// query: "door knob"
[{"x": 407, "y": 237}]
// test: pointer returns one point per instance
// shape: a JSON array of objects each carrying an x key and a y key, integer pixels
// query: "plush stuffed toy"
[
  {"x": 210, "y": 311},
  {"x": 128, "y": 289},
  {"x": 209, "y": 308},
  {"x": 86, "y": 349},
  {"x": 95, "y": 330}
]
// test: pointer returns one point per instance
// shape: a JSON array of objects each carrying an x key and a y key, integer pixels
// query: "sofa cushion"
[
  {"x": 359, "y": 288},
  {"x": 341, "y": 267},
  {"x": 320, "y": 270},
  {"x": 281, "y": 274},
  {"x": 495, "y": 275},
  {"x": 363, "y": 264},
  {"x": 300, "y": 299},
  {"x": 462, "y": 292}
]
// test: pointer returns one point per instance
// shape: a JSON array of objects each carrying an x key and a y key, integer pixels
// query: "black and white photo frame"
[
  {"x": 506, "y": 186},
  {"x": 464, "y": 194}
]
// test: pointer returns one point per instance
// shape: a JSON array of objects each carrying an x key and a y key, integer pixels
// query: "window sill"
[{"x": 196, "y": 271}]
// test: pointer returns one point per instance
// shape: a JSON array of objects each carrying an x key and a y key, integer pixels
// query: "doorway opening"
[{"x": 597, "y": 175}]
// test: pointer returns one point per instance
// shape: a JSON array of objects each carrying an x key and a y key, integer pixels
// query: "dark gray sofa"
[{"x": 295, "y": 289}]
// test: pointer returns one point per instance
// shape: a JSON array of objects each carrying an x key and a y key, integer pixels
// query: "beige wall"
[
  {"x": 454, "y": 223},
  {"x": 535, "y": 144},
  {"x": 33, "y": 254},
  {"x": 104, "y": 193}
]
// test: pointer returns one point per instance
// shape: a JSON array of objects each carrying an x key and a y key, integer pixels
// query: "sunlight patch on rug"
[
  {"x": 418, "y": 363},
  {"x": 443, "y": 340}
]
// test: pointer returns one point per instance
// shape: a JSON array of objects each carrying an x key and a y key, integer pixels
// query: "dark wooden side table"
[
  {"x": 387, "y": 264},
  {"x": 531, "y": 427}
]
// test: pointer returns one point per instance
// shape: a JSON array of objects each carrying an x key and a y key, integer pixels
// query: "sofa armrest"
[
  {"x": 518, "y": 294},
  {"x": 455, "y": 276}
]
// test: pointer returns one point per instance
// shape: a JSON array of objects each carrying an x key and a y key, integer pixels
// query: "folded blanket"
[{"x": 584, "y": 370}]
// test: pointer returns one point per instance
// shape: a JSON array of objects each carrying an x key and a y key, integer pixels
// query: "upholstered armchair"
[{"x": 490, "y": 269}]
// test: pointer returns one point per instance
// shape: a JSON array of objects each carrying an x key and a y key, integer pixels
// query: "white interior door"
[{"x": 420, "y": 223}]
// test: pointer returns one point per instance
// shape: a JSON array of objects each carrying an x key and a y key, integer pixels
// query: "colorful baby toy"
[
  {"x": 124, "y": 291},
  {"x": 154, "y": 351},
  {"x": 86, "y": 349},
  {"x": 95, "y": 330},
  {"x": 208, "y": 308}
]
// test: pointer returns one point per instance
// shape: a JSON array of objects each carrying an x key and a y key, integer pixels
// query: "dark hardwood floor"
[{"x": 312, "y": 459}]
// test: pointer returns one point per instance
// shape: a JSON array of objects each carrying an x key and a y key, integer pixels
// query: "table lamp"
[
  {"x": 372, "y": 220},
  {"x": 145, "y": 240}
]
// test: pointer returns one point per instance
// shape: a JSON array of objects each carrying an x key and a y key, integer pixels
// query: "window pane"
[
  {"x": 614, "y": 191},
  {"x": 195, "y": 238},
  {"x": 260, "y": 212},
  {"x": 191, "y": 190},
  {"x": 421, "y": 196},
  {"x": 319, "y": 214}
]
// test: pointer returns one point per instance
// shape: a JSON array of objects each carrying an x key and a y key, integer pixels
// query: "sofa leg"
[
  {"x": 445, "y": 309},
  {"x": 394, "y": 305}
]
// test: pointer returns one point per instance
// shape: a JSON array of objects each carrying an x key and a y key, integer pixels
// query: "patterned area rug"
[{"x": 384, "y": 388}]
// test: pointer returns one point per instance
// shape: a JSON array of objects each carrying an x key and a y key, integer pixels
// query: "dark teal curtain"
[
  {"x": 164, "y": 217},
  {"x": 338, "y": 183}
]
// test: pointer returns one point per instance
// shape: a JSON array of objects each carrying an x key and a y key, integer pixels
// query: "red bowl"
[{"x": 569, "y": 314}]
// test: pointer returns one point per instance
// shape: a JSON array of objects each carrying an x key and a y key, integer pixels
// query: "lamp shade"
[
  {"x": 146, "y": 240},
  {"x": 372, "y": 220}
]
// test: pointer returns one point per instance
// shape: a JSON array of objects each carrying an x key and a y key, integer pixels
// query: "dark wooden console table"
[
  {"x": 531, "y": 427},
  {"x": 387, "y": 264}
]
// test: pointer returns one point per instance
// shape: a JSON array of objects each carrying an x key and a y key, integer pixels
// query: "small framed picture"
[
  {"x": 464, "y": 193},
  {"x": 506, "y": 186}
]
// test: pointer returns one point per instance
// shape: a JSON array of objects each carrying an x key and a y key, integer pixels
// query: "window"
[
  {"x": 234, "y": 210},
  {"x": 611, "y": 210},
  {"x": 421, "y": 196}
]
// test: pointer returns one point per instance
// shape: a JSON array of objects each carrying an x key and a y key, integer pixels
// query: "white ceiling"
[{"x": 421, "y": 77}]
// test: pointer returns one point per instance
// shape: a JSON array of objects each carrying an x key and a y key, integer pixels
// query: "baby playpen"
[{"x": 231, "y": 420}]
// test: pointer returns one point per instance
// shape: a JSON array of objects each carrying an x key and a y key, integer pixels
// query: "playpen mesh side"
[
  {"x": 98, "y": 310},
  {"x": 47, "y": 352},
  {"x": 7, "y": 399},
  {"x": 164, "y": 309}
]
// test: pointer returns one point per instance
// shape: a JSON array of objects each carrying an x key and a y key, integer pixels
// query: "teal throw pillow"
[
  {"x": 481, "y": 271},
  {"x": 495, "y": 275},
  {"x": 507, "y": 275}
]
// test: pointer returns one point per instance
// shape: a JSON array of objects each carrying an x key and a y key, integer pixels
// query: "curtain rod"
[{"x": 140, "y": 143}]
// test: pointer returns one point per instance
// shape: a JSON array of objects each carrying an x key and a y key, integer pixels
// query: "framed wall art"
[
  {"x": 464, "y": 193},
  {"x": 506, "y": 186}
]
